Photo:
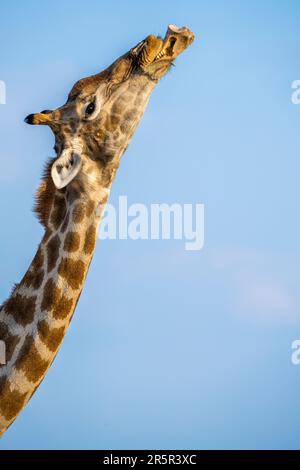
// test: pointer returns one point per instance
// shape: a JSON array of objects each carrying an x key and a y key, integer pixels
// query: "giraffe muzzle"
[
  {"x": 155, "y": 50},
  {"x": 176, "y": 41}
]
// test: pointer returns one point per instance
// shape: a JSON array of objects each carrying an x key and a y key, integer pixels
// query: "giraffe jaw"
[
  {"x": 154, "y": 50},
  {"x": 173, "y": 34}
]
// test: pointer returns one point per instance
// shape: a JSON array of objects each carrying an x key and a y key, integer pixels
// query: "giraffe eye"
[{"x": 90, "y": 108}]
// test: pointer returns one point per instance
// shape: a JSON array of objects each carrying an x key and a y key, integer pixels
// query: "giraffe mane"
[{"x": 45, "y": 194}]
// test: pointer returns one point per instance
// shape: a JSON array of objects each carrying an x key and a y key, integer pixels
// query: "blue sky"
[{"x": 168, "y": 348}]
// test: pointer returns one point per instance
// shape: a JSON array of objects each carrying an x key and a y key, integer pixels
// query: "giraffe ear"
[{"x": 65, "y": 169}]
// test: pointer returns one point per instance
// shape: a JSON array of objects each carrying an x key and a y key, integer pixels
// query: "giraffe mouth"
[
  {"x": 176, "y": 40},
  {"x": 154, "y": 49}
]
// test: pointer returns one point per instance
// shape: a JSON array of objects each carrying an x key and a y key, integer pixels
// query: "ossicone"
[{"x": 45, "y": 117}]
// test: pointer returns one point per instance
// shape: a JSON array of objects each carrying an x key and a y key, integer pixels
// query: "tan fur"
[
  {"x": 45, "y": 195},
  {"x": 34, "y": 320}
]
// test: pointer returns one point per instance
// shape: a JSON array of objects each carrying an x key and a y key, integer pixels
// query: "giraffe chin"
[
  {"x": 65, "y": 169},
  {"x": 156, "y": 55},
  {"x": 175, "y": 42}
]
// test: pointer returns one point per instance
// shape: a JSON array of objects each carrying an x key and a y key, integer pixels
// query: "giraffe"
[{"x": 92, "y": 130}]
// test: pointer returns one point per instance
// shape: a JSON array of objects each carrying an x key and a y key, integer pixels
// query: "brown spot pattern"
[
  {"x": 72, "y": 242},
  {"x": 21, "y": 308},
  {"x": 51, "y": 337},
  {"x": 117, "y": 108},
  {"x": 90, "y": 208},
  {"x": 12, "y": 401},
  {"x": 10, "y": 341},
  {"x": 63, "y": 308},
  {"x": 125, "y": 126},
  {"x": 51, "y": 295},
  {"x": 130, "y": 115},
  {"x": 90, "y": 240},
  {"x": 115, "y": 119},
  {"x": 38, "y": 260},
  {"x": 34, "y": 279},
  {"x": 52, "y": 252},
  {"x": 58, "y": 211},
  {"x": 73, "y": 271},
  {"x": 35, "y": 274},
  {"x": 30, "y": 361},
  {"x": 107, "y": 175},
  {"x": 78, "y": 213}
]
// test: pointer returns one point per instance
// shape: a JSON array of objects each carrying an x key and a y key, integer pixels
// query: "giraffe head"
[{"x": 93, "y": 128}]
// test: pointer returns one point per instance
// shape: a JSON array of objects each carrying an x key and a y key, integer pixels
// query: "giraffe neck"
[{"x": 34, "y": 320}]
